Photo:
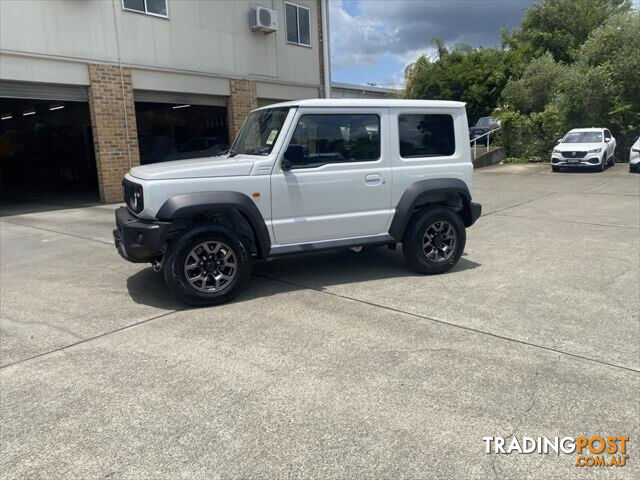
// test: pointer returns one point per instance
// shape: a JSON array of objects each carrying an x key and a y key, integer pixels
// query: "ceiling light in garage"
[
  {"x": 6, "y": 117},
  {"x": 56, "y": 107},
  {"x": 28, "y": 112},
  {"x": 181, "y": 106}
]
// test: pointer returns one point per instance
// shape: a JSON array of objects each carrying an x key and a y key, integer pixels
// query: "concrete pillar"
[{"x": 115, "y": 137}]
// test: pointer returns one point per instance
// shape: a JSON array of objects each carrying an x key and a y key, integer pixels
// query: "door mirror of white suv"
[
  {"x": 293, "y": 156},
  {"x": 559, "y": 140},
  {"x": 607, "y": 140}
]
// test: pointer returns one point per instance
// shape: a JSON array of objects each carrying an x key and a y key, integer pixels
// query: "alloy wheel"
[
  {"x": 439, "y": 241},
  {"x": 211, "y": 266}
]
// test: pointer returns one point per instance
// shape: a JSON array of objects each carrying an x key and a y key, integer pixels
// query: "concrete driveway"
[{"x": 335, "y": 365}]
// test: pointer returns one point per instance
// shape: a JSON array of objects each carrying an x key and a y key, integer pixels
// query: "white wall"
[{"x": 200, "y": 36}]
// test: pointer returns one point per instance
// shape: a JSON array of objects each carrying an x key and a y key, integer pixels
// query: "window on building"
[
  {"x": 150, "y": 7},
  {"x": 424, "y": 135},
  {"x": 298, "y": 20},
  {"x": 337, "y": 138}
]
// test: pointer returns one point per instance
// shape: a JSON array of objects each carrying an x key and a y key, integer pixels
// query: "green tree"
[
  {"x": 474, "y": 76},
  {"x": 533, "y": 90},
  {"x": 602, "y": 87},
  {"x": 560, "y": 27}
]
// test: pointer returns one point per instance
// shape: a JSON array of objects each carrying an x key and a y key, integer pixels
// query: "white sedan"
[
  {"x": 634, "y": 157},
  {"x": 584, "y": 147}
]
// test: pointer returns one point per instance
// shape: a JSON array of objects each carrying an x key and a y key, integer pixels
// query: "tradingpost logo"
[{"x": 596, "y": 451}]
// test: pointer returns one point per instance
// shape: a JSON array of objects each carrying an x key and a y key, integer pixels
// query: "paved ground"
[{"x": 337, "y": 365}]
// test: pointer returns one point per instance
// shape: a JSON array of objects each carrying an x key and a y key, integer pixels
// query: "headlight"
[
  {"x": 637, "y": 150},
  {"x": 133, "y": 195},
  {"x": 595, "y": 150},
  {"x": 555, "y": 151}
]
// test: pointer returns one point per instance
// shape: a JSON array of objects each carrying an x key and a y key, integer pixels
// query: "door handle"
[{"x": 373, "y": 179}]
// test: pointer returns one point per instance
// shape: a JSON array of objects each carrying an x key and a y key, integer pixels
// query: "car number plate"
[{"x": 573, "y": 160}]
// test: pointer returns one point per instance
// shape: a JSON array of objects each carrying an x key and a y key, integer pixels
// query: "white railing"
[{"x": 474, "y": 141}]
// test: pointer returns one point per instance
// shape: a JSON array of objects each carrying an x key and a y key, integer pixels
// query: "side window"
[
  {"x": 426, "y": 135},
  {"x": 335, "y": 138},
  {"x": 298, "y": 21},
  {"x": 150, "y": 7}
]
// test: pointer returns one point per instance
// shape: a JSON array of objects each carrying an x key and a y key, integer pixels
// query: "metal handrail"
[{"x": 488, "y": 135}]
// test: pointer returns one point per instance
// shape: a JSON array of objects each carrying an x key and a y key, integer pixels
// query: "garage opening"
[
  {"x": 46, "y": 150},
  {"x": 172, "y": 127}
]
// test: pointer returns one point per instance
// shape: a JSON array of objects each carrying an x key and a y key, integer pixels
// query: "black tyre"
[
  {"x": 603, "y": 163},
  {"x": 207, "y": 265},
  {"x": 554, "y": 168},
  {"x": 434, "y": 240}
]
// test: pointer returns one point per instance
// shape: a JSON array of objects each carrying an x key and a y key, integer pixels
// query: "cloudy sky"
[{"x": 373, "y": 40}]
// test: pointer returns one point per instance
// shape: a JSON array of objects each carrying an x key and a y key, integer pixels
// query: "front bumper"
[
  {"x": 139, "y": 241},
  {"x": 589, "y": 160}
]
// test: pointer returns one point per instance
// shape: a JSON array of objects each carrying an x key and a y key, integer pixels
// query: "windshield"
[
  {"x": 259, "y": 132},
  {"x": 485, "y": 122},
  {"x": 583, "y": 137}
]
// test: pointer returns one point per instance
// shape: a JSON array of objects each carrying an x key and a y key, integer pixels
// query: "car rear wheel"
[
  {"x": 434, "y": 241},
  {"x": 207, "y": 265}
]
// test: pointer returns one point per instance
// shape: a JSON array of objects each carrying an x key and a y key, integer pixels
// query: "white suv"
[
  {"x": 584, "y": 147},
  {"x": 301, "y": 177},
  {"x": 634, "y": 157}
]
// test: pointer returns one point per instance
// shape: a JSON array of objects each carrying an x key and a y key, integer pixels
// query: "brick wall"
[
  {"x": 242, "y": 100},
  {"x": 113, "y": 158}
]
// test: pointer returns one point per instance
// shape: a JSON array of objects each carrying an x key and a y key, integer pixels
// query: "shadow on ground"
[
  {"x": 147, "y": 287},
  {"x": 16, "y": 203}
]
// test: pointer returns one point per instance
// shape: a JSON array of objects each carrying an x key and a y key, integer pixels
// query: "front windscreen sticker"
[{"x": 272, "y": 136}]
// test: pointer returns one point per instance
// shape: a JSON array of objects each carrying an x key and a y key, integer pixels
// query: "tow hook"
[{"x": 157, "y": 263}]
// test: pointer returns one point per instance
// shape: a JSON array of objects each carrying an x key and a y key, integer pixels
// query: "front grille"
[
  {"x": 575, "y": 154},
  {"x": 133, "y": 197}
]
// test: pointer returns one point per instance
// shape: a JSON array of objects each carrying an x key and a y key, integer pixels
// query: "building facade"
[
  {"x": 349, "y": 90},
  {"x": 91, "y": 88}
]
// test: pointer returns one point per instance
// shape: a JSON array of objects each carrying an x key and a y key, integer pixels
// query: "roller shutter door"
[
  {"x": 43, "y": 91},
  {"x": 179, "y": 98}
]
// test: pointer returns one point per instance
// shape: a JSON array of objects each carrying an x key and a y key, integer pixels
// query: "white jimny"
[{"x": 304, "y": 176}]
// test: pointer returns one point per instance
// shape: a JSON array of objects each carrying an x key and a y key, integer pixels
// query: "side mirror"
[
  {"x": 607, "y": 140},
  {"x": 559, "y": 140},
  {"x": 293, "y": 156}
]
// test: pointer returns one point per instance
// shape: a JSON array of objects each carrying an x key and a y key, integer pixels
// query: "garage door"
[
  {"x": 43, "y": 91},
  {"x": 175, "y": 126},
  {"x": 46, "y": 146},
  {"x": 179, "y": 98}
]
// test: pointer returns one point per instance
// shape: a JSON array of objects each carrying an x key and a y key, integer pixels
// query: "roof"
[
  {"x": 365, "y": 88},
  {"x": 592, "y": 129},
  {"x": 369, "y": 102}
]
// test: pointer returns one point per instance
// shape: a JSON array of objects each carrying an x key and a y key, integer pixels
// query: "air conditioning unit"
[{"x": 263, "y": 19}]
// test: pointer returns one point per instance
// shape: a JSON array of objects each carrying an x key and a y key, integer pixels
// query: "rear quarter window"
[{"x": 426, "y": 135}]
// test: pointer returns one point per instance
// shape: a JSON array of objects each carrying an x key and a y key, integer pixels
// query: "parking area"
[{"x": 333, "y": 365}]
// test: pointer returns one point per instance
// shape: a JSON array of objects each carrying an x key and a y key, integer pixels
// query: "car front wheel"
[
  {"x": 207, "y": 265},
  {"x": 434, "y": 241}
]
